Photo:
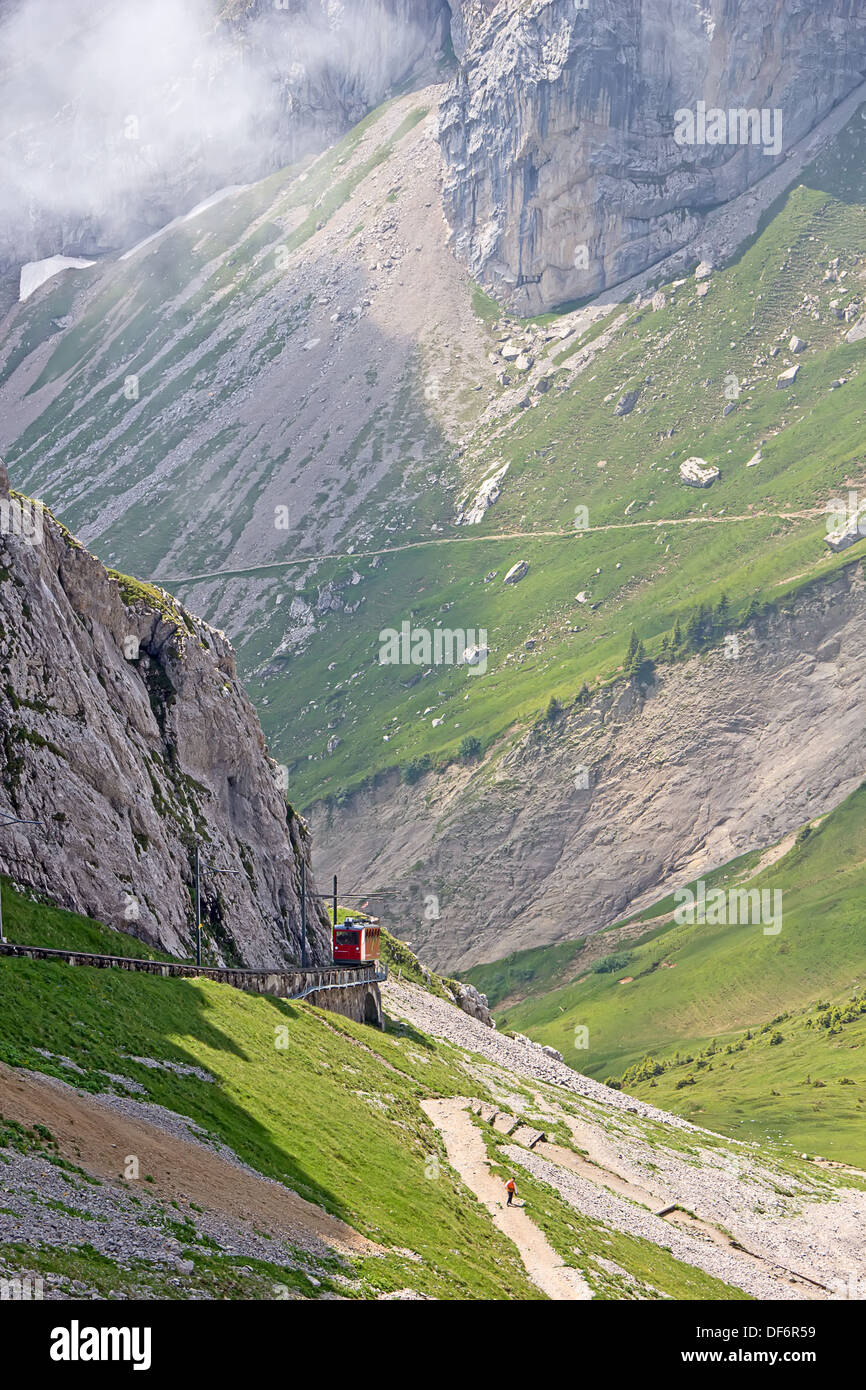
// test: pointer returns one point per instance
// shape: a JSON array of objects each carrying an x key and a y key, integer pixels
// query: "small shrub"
[
  {"x": 416, "y": 769},
  {"x": 608, "y": 964}
]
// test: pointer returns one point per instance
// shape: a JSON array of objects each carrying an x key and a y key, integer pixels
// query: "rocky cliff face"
[
  {"x": 126, "y": 733},
  {"x": 330, "y": 63},
  {"x": 627, "y": 798},
  {"x": 563, "y": 173},
  {"x": 468, "y": 18}
]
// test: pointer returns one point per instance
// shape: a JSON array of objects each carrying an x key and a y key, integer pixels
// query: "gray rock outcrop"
[
  {"x": 563, "y": 174},
  {"x": 126, "y": 733},
  {"x": 473, "y": 1003},
  {"x": 626, "y": 403}
]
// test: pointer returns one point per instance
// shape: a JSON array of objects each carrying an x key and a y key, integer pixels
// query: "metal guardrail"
[
  {"x": 184, "y": 969},
  {"x": 378, "y": 977}
]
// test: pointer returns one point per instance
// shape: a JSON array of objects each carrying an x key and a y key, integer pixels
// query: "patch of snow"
[{"x": 36, "y": 273}]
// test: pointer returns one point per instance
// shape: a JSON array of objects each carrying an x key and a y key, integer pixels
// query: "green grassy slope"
[
  {"x": 687, "y": 985},
  {"x": 530, "y": 972},
  {"x": 30, "y": 921},
  {"x": 677, "y": 548},
  {"x": 305, "y": 1097},
  {"x": 756, "y": 534},
  {"x": 800, "y": 1078},
  {"x": 172, "y": 316},
  {"x": 319, "y": 1112},
  {"x": 541, "y": 969}
]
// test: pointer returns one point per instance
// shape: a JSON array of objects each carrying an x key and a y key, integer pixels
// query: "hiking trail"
[{"x": 468, "y": 1157}]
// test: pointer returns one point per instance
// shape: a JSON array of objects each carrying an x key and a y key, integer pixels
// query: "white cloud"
[{"x": 119, "y": 114}]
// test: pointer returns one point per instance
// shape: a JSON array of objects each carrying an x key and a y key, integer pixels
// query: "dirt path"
[
  {"x": 468, "y": 1157},
  {"x": 353, "y": 555},
  {"x": 98, "y": 1139},
  {"x": 772, "y": 855},
  {"x": 605, "y": 1177}
]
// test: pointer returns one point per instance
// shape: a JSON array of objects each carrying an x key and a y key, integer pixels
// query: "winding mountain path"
[
  {"x": 237, "y": 572},
  {"x": 468, "y": 1157}
]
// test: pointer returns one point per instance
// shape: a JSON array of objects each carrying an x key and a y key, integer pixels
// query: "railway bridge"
[{"x": 349, "y": 990}]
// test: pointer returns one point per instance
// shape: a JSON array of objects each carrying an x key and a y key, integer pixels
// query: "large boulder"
[
  {"x": 473, "y": 1003},
  {"x": 626, "y": 403},
  {"x": 696, "y": 472}
]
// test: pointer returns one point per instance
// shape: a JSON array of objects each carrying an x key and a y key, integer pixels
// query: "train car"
[{"x": 356, "y": 941}]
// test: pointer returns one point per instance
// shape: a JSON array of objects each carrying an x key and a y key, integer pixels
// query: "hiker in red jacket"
[{"x": 510, "y": 1189}]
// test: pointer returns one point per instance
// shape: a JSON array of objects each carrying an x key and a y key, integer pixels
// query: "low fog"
[{"x": 116, "y": 116}]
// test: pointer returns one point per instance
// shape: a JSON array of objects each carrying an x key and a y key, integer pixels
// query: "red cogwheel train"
[{"x": 356, "y": 941}]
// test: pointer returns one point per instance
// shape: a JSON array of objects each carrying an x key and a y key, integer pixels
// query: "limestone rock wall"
[
  {"x": 562, "y": 174},
  {"x": 124, "y": 730}
]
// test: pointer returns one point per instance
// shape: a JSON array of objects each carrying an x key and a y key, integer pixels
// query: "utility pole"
[
  {"x": 335, "y": 900},
  {"x": 197, "y": 877},
  {"x": 7, "y": 819},
  {"x": 303, "y": 914}
]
